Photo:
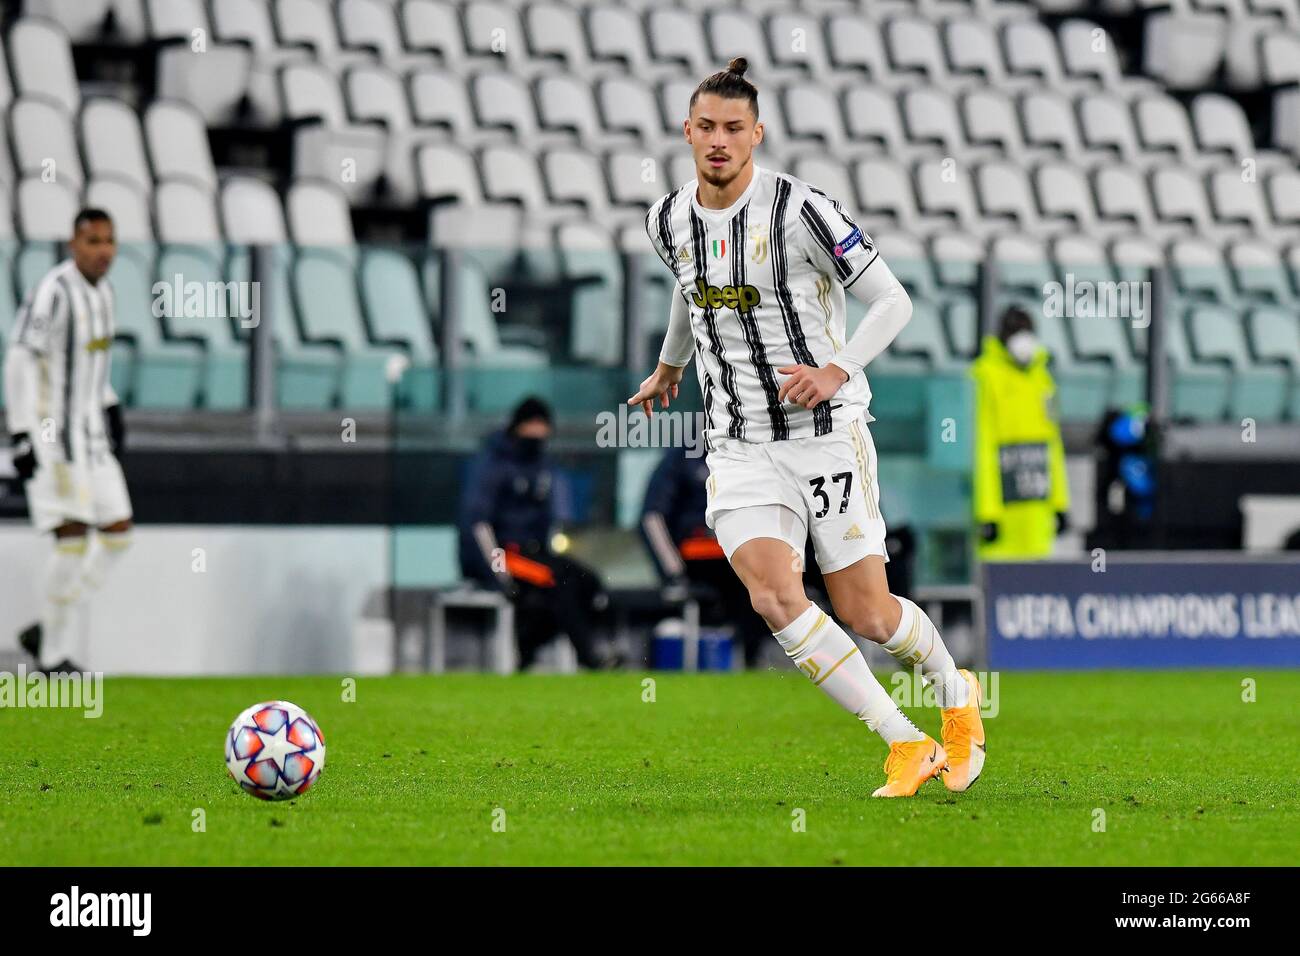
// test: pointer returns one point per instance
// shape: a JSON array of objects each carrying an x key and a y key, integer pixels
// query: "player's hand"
[
  {"x": 1062, "y": 522},
  {"x": 24, "y": 456},
  {"x": 662, "y": 384},
  {"x": 989, "y": 532},
  {"x": 116, "y": 429},
  {"x": 809, "y": 386}
]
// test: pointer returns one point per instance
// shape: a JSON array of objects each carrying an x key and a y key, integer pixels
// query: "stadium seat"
[
  {"x": 676, "y": 37},
  {"x": 1165, "y": 131},
  {"x": 160, "y": 372},
  {"x": 311, "y": 24},
  {"x": 814, "y": 120},
  {"x": 1284, "y": 198},
  {"x": 1124, "y": 204},
  {"x": 1023, "y": 270},
  {"x": 434, "y": 25},
  {"x": 215, "y": 78},
  {"x": 972, "y": 47},
  {"x": 1066, "y": 200},
  {"x": 1275, "y": 338},
  {"x": 1050, "y": 124},
  {"x": 575, "y": 177},
  {"x": 1258, "y": 391},
  {"x": 375, "y": 94},
  {"x": 395, "y": 305},
  {"x": 494, "y": 38},
  {"x": 1005, "y": 195},
  {"x": 949, "y": 194},
  {"x": 1259, "y": 271},
  {"x": 1180, "y": 202},
  {"x": 44, "y": 143},
  {"x": 1099, "y": 312},
  {"x": 249, "y": 22},
  {"x": 326, "y": 145},
  {"x": 1199, "y": 271},
  {"x": 113, "y": 143},
  {"x": 617, "y": 40},
  {"x": 225, "y": 358},
  {"x": 590, "y": 261},
  {"x": 990, "y": 119},
  {"x": 871, "y": 116},
  {"x": 915, "y": 50},
  {"x": 318, "y": 215},
  {"x": 440, "y": 100},
  {"x": 45, "y": 210},
  {"x": 555, "y": 35},
  {"x": 628, "y": 105},
  {"x": 307, "y": 373},
  {"x": 1107, "y": 125},
  {"x": 178, "y": 143},
  {"x": 486, "y": 239},
  {"x": 807, "y": 57},
  {"x": 636, "y": 181},
  {"x": 371, "y": 25},
  {"x": 329, "y": 309},
  {"x": 128, "y": 207},
  {"x": 565, "y": 105},
  {"x": 82, "y": 20},
  {"x": 855, "y": 47},
  {"x": 1088, "y": 52},
  {"x": 447, "y": 172},
  {"x": 185, "y": 213},
  {"x": 40, "y": 58},
  {"x": 1239, "y": 205},
  {"x": 1224, "y": 133}
]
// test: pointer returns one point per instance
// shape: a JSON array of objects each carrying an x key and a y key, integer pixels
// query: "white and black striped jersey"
[
  {"x": 67, "y": 324},
  {"x": 764, "y": 281}
]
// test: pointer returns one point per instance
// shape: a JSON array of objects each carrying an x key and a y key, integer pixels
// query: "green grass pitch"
[{"x": 711, "y": 772}]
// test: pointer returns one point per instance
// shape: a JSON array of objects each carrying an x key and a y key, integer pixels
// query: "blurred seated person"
[
  {"x": 685, "y": 549},
  {"x": 507, "y": 512}
]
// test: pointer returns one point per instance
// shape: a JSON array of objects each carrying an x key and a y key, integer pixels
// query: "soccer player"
[
  {"x": 66, "y": 428},
  {"x": 762, "y": 262}
]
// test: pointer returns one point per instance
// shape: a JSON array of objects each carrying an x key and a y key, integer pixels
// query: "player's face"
[
  {"x": 722, "y": 132},
  {"x": 93, "y": 248}
]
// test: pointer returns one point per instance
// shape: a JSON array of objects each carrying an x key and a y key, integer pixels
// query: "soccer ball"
[{"x": 274, "y": 750}]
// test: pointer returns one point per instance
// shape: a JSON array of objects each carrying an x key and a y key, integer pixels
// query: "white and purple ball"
[{"x": 274, "y": 750}]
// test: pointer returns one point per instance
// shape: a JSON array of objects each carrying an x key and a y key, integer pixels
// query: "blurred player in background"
[
  {"x": 762, "y": 262},
  {"x": 507, "y": 515},
  {"x": 66, "y": 427},
  {"x": 1021, "y": 496},
  {"x": 684, "y": 546}
]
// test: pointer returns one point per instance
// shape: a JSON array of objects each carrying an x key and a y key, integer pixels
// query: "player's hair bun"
[{"x": 738, "y": 65}]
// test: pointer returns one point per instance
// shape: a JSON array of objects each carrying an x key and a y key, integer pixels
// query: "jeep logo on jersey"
[
  {"x": 99, "y": 345},
  {"x": 743, "y": 297}
]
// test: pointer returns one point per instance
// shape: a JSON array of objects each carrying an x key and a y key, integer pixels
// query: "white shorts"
[
  {"x": 91, "y": 492},
  {"x": 824, "y": 484}
]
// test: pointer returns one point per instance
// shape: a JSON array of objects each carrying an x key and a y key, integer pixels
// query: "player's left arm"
[
  {"x": 837, "y": 247},
  {"x": 109, "y": 401},
  {"x": 888, "y": 309}
]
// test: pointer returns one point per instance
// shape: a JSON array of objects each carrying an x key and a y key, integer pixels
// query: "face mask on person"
[
  {"x": 1023, "y": 346},
  {"x": 530, "y": 449}
]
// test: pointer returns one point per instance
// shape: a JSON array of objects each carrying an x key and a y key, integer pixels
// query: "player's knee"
[
  {"x": 870, "y": 619},
  {"x": 777, "y": 604}
]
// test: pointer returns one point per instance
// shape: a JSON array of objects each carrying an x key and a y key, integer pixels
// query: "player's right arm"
[
  {"x": 679, "y": 344},
  {"x": 28, "y": 347}
]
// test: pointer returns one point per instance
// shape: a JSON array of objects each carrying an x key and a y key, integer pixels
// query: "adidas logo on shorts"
[{"x": 854, "y": 534}]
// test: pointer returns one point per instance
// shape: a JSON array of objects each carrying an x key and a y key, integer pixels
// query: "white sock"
[
  {"x": 917, "y": 643},
  {"x": 61, "y": 594},
  {"x": 103, "y": 554},
  {"x": 822, "y": 650}
]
